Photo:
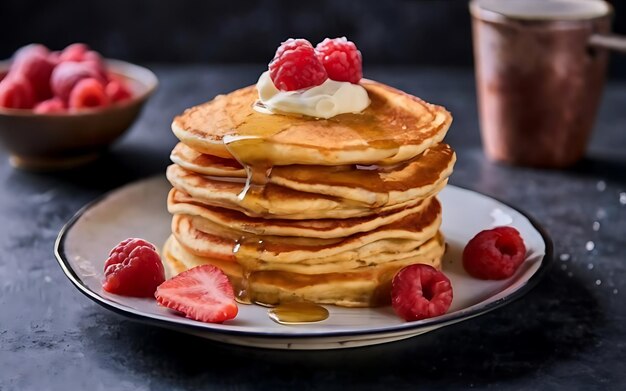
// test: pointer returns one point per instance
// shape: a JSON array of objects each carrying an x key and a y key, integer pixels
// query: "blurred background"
[{"x": 393, "y": 32}]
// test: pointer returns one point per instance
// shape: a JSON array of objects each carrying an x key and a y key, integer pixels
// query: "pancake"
[
  {"x": 171, "y": 265},
  {"x": 208, "y": 239},
  {"x": 186, "y": 260},
  {"x": 386, "y": 260},
  {"x": 179, "y": 202},
  {"x": 362, "y": 287},
  {"x": 371, "y": 185},
  {"x": 206, "y": 164},
  {"x": 394, "y": 128},
  {"x": 273, "y": 201},
  {"x": 295, "y": 208}
]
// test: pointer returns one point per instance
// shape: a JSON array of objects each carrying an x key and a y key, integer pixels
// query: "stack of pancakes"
[{"x": 295, "y": 208}]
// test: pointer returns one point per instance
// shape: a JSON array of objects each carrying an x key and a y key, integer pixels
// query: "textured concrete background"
[
  {"x": 414, "y": 32},
  {"x": 567, "y": 334}
]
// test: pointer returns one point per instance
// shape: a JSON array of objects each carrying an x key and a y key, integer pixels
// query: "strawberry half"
[{"x": 202, "y": 293}]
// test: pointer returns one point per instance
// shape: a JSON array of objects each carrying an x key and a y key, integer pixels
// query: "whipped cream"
[{"x": 327, "y": 100}]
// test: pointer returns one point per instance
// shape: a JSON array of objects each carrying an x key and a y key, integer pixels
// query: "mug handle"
[{"x": 609, "y": 41}]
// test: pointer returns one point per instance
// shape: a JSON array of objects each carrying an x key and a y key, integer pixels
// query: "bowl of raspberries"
[{"x": 62, "y": 108}]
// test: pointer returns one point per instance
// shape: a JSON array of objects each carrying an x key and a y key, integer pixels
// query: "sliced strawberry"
[
  {"x": 133, "y": 269},
  {"x": 117, "y": 91},
  {"x": 88, "y": 93},
  {"x": 202, "y": 293}
]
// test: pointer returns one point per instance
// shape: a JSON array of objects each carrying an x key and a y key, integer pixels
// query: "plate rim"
[{"x": 61, "y": 257}]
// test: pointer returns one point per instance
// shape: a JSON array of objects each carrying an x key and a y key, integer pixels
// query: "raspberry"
[
  {"x": 50, "y": 106},
  {"x": 54, "y": 57},
  {"x": 341, "y": 59},
  {"x": 494, "y": 254},
  {"x": 88, "y": 93},
  {"x": 29, "y": 50},
  {"x": 16, "y": 92},
  {"x": 37, "y": 68},
  {"x": 92, "y": 55},
  {"x": 67, "y": 74},
  {"x": 133, "y": 269},
  {"x": 95, "y": 60},
  {"x": 296, "y": 66},
  {"x": 117, "y": 91},
  {"x": 420, "y": 291},
  {"x": 74, "y": 52}
]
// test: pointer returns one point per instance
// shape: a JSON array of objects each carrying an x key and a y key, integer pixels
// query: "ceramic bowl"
[{"x": 56, "y": 141}]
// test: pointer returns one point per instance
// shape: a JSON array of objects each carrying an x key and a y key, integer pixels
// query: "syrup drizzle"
[{"x": 253, "y": 147}]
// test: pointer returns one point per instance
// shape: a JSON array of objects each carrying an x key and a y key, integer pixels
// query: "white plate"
[{"x": 139, "y": 210}]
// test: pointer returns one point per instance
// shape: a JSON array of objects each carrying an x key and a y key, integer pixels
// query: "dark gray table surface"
[{"x": 568, "y": 333}]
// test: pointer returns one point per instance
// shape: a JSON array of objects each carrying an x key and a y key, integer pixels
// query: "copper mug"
[{"x": 540, "y": 70}]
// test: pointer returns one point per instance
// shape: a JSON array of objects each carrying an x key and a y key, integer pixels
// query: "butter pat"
[{"x": 327, "y": 100}]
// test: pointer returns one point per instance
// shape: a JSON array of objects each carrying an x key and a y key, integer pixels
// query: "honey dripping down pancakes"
[{"x": 297, "y": 207}]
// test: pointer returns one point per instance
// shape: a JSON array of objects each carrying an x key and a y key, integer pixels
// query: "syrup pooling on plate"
[{"x": 298, "y": 312}]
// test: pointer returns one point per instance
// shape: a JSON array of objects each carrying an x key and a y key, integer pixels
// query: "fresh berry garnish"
[
  {"x": 29, "y": 50},
  {"x": 88, "y": 93},
  {"x": 341, "y": 59},
  {"x": 420, "y": 291},
  {"x": 92, "y": 55},
  {"x": 202, "y": 293},
  {"x": 50, "y": 106},
  {"x": 48, "y": 82},
  {"x": 95, "y": 60},
  {"x": 54, "y": 57},
  {"x": 133, "y": 269},
  {"x": 16, "y": 92},
  {"x": 74, "y": 52},
  {"x": 67, "y": 74},
  {"x": 36, "y": 67},
  {"x": 296, "y": 66},
  {"x": 494, "y": 254},
  {"x": 117, "y": 91}
]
